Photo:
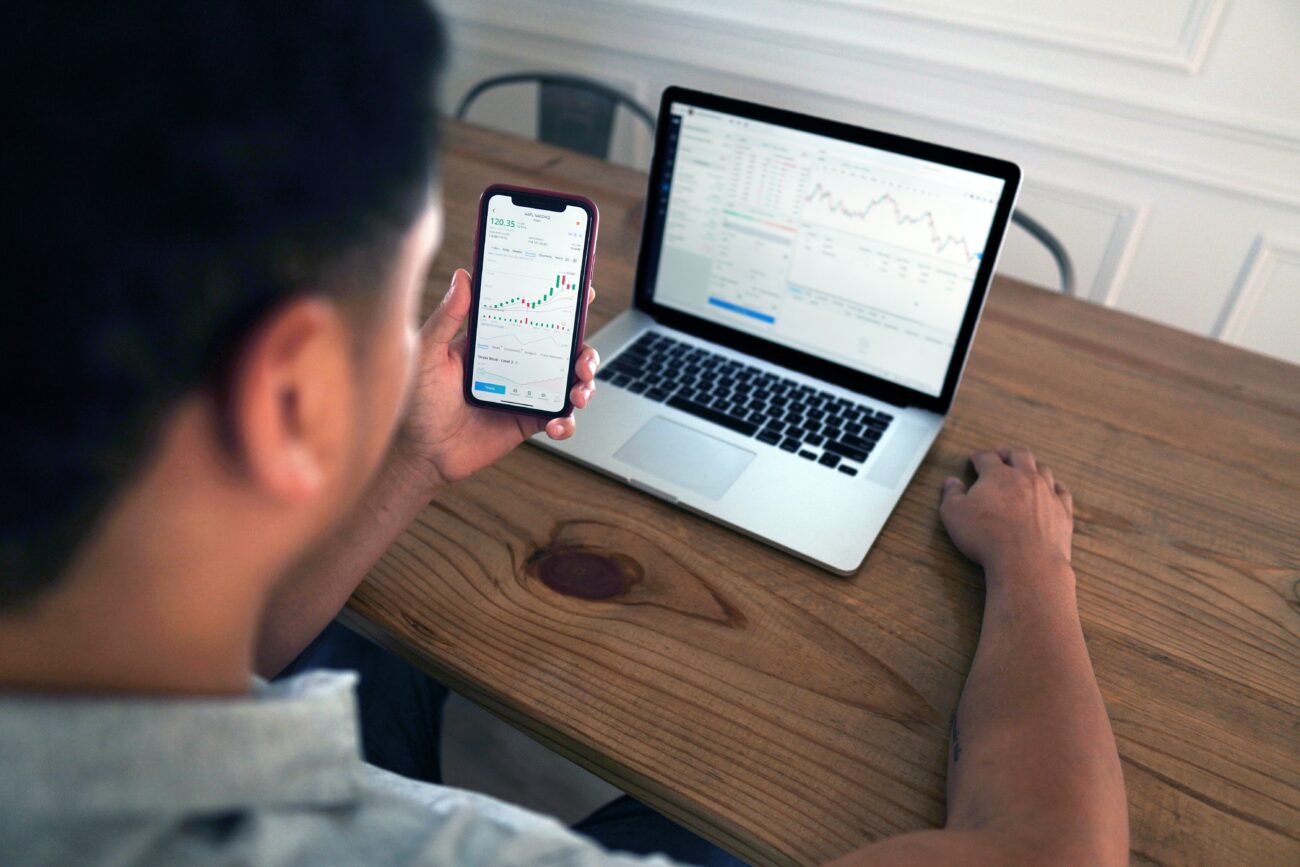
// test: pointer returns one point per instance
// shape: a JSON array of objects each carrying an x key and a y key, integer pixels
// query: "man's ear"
[{"x": 291, "y": 406}]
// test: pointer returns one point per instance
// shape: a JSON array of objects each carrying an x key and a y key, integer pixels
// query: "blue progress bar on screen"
[
  {"x": 744, "y": 311},
  {"x": 490, "y": 387}
]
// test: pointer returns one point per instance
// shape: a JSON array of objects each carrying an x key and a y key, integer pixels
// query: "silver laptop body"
[{"x": 806, "y": 297}]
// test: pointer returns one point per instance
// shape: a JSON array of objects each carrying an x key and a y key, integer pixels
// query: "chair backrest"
[
  {"x": 572, "y": 111},
  {"x": 1064, "y": 264}
]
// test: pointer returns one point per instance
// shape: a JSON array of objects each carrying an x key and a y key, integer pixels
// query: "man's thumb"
[{"x": 442, "y": 326}]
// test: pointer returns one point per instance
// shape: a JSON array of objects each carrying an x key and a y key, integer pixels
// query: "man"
[{"x": 219, "y": 413}]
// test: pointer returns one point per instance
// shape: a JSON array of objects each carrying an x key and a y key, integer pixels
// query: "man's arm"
[{"x": 1033, "y": 773}]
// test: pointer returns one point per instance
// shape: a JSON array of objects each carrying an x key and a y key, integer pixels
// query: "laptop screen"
[{"x": 864, "y": 257}]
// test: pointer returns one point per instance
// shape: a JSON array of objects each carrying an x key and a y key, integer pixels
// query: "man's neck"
[
  {"x": 165, "y": 596},
  {"x": 106, "y": 635}
]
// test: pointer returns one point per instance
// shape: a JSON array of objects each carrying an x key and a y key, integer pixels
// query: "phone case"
[{"x": 580, "y": 326}]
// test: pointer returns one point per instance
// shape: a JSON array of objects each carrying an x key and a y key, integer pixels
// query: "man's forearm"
[
  {"x": 1033, "y": 776},
  {"x": 1031, "y": 748},
  {"x": 318, "y": 587}
]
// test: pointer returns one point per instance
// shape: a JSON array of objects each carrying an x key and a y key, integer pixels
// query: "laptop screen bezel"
[{"x": 822, "y": 368}]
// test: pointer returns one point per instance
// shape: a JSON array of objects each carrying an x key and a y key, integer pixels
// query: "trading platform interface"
[
  {"x": 528, "y": 298},
  {"x": 861, "y": 256}
]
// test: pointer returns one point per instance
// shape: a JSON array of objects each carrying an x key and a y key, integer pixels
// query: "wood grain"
[{"x": 792, "y": 715}]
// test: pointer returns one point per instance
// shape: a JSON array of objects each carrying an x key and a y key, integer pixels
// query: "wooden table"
[{"x": 792, "y": 715}]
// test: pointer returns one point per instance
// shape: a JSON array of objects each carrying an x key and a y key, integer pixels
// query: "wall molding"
[
  {"x": 710, "y": 54},
  {"x": 581, "y": 21},
  {"x": 1102, "y": 257},
  {"x": 1128, "y": 221},
  {"x": 1185, "y": 53},
  {"x": 1265, "y": 254}
]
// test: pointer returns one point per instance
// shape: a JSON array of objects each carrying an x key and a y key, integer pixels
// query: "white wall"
[{"x": 1160, "y": 138}]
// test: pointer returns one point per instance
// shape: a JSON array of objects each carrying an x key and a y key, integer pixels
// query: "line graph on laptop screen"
[{"x": 861, "y": 256}]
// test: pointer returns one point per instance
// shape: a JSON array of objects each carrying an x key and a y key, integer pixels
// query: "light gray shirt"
[{"x": 274, "y": 778}]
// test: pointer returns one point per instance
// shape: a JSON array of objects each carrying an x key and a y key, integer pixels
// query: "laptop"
[{"x": 806, "y": 296}]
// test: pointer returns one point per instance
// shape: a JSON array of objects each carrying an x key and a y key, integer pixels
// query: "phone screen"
[{"x": 529, "y": 286}]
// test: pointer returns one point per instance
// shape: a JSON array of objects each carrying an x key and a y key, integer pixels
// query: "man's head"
[{"x": 225, "y": 211}]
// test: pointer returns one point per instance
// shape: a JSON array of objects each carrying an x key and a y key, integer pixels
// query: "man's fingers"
[
  {"x": 581, "y": 394},
  {"x": 442, "y": 326},
  {"x": 1067, "y": 499},
  {"x": 588, "y": 361},
  {"x": 561, "y": 428},
  {"x": 1022, "y": 459},
  {"x": 986, "y": 460},
  {"x": 591, "y": 294},
  {"x": 951, "y": 488},
  {"x": 1046, "y": 473}
]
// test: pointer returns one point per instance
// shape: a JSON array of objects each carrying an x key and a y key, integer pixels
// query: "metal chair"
[
  {"x": 1040, "y": 233},
  {"x": 572, "y": 111}
]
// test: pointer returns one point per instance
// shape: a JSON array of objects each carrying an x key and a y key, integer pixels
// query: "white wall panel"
[
  {"x": 1174, "y": 34},
  {"x": 1264, "y": 312}
]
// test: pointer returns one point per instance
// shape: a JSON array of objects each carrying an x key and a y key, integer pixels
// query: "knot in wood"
[{"x": 585, "y": 572}]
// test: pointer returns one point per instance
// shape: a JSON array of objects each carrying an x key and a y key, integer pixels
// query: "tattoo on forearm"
[{"x": 956, "y": 742}]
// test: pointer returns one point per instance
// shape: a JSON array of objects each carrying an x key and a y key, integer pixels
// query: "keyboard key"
[
  {"x": 885, "y": 417},
  {"x": 789, "y": 445},
  {"x": 637, "y": 387},
  {"x": 770, "y": 437},
  {"x": 710, "y": 414},
  {"x": 848, "y": 471},
  {"x": 814, "y": 439},
  {"x": 829, "y": 459},
  {"x": 657, "y": 393},
  {"x": 865, "y": 442},
  {"x": 846, "y": 451},
  {"x": 622, "y": 380},
  {"x": 809, "y": 455}
]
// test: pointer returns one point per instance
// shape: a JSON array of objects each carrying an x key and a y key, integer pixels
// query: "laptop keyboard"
[{"x": 816, "y": 425}]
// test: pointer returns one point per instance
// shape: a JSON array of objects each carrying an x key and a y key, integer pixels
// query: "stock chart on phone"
[{"x": 528, "y": 296}]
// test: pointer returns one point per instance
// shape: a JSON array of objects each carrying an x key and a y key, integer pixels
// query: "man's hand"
[
  {"x": 445, "y": 438},
  {"x": 1015, "y": 515}
]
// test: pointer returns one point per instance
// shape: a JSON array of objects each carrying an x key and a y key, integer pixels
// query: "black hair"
[{"x": 174, "y": 170}]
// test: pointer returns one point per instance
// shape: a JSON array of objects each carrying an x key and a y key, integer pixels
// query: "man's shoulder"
[{"x": 379, "y": 828}]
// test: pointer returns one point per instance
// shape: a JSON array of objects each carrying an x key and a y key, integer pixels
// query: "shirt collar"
[{"x": 293, "y": 741}]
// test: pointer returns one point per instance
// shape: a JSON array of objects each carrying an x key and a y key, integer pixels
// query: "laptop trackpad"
[{"x": 685, "y": 456}]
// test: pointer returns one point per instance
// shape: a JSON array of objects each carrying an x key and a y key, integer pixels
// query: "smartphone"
[{"x": 533, "y": 256}]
